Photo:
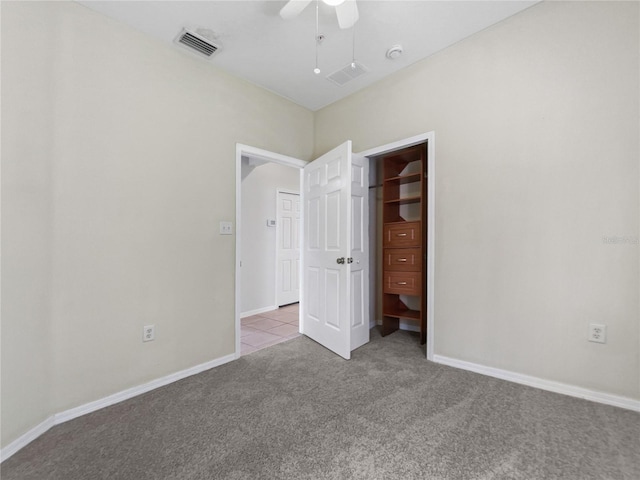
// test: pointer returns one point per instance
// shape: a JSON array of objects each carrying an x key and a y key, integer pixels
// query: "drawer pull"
[
  {"x": 401, "y": 234},
  {"x": 401, "y": 260},
  {"x": 401, "y": 283}
]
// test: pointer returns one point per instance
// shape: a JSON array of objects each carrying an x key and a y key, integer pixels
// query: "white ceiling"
[{"x": 259, "y": 46}]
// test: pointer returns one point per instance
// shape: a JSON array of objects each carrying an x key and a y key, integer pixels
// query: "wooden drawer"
[
  {"x": 403, "y": 283},
  {"x": 403, "y": 259},
  {"x": 405, "y": 234}
]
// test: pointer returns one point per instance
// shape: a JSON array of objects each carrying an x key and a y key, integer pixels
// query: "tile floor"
[{"x": 266, "y": 329}]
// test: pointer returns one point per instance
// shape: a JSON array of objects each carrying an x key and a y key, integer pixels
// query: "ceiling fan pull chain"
[
  {"x": 317, "y": 69},
  {"x": 353, "y": 48}
]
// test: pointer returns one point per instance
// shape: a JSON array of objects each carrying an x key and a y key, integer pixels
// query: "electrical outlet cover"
[
  {"x": 597, "y": 333},
  {"x": 226, "y": 228},
  {"x": 148, "y": 333}
]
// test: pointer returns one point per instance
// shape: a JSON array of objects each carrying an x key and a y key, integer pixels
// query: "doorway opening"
[
  {"x": 249, "y": 154},
  {"x": 269, "y": 254}
]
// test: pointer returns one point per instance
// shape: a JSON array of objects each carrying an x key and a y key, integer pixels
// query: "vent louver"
[
  {"x": 347, "y": 74},
  {"x": 197, "y": 43}
]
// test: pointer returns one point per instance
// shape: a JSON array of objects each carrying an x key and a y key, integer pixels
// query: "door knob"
[
  {"x": 340, "y": 260},
  {"x": 349, "y": 260}
]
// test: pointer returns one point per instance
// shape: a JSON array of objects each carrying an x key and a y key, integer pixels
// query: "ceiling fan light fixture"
[{"x": 346, "y": 10}]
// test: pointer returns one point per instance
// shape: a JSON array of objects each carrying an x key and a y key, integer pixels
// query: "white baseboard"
[
  {"x": 138, "y": 390},
  {"x": 550, "y": 385},
  {"x": 72, "y": 413},
  {"x": 27, "y": 438},
  {"x": 410, "y": 327},
  {"x": 258, "y": 311}
]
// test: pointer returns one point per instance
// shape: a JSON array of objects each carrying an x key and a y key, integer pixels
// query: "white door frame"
[
  {"x": 430, "y": 138},
  {"x": 278, "y": 192},
  {"x": 253, "y": 152}
]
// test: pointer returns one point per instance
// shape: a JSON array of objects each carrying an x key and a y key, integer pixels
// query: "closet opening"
[{"x": 401, "y": 232}]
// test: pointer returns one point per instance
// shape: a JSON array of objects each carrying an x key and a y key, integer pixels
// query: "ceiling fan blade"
[
  {"x": 293, "y": 8},
  {"x": 347, "y": 13}
]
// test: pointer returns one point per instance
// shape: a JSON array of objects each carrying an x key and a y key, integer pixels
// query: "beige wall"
[
  {"x": 26, "y": 225},
  {"x": 537, "y": 143},
  {"x": 118, "y": 163}
]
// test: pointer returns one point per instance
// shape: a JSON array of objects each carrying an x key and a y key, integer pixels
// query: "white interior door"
[
  {"x": 359, "y": 266},
  {"x": 288, "y": 249},
  {"x": 334, "y": 255}
]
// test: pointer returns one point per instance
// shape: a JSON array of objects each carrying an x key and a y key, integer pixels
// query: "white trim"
[
  {"x": 402, "y": 325},
  {"x": 23, "y": 440},
  {"x": 72, "y": 413},
  {"x": 550, "y": 385},
  {"x": 251, "y": 152},
  {"x": 258, "y": 311},
  {"x": 408, "y": 326},
  {"x": 238, "y": 284},
  {"x": 431, "y": 243},
  {"x": 254, "y": 152},
  {"x": 301, "y": 239},
  {"x": 430, "y": 138},
  {"x": 139, "y": 390},
  {"x": 390, "y": 147},
  {"x": 286, "y": 190}
]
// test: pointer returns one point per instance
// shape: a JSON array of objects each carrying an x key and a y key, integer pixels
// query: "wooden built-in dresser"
[{"x": 404, "y": 217}]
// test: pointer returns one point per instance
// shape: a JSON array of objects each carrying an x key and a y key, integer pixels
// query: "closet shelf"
[
  {"x": 404, "y": 179},
  {"x": 406, "y": 166},
  {"x": 404, "y": 201},
  {"x": 412, "y": 314}
]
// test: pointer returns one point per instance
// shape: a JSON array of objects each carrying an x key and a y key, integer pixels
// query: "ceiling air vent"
[
  {"x": 347, "y": 73},
  {"x": 197, "y": 43}
]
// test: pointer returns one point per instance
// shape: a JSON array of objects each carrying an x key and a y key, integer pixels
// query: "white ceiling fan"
[{"x": 346, "y": 10}]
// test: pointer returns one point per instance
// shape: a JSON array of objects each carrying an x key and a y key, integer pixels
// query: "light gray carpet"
[{"x": 296, "y": 411}]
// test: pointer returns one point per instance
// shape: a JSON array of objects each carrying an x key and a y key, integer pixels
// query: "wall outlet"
[
  {"x": 148, "y": 333},
  {"x": 597, "y": 333},
  {"x": 226, "y": 228}
]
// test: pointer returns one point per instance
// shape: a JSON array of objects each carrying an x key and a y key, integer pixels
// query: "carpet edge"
[
  {"x": 550, "y": 385},
  {"x": 75, "y": 412}
]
